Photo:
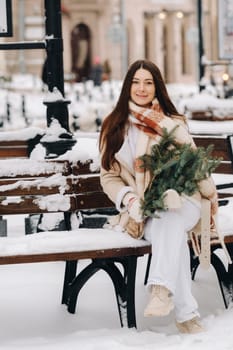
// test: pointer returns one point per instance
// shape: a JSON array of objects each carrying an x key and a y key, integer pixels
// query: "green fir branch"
[{"x": 174, "y": 166}]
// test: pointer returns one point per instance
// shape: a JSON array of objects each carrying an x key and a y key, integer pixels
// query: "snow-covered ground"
[{"x": 31, "y": 314}]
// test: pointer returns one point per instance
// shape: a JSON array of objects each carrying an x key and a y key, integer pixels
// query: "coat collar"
[
  {"x": 124, "y": 156},
  {"x": 141, "y": 149}
]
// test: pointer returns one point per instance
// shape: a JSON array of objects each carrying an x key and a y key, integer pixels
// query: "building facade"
[{"x": 118, "y": 32}]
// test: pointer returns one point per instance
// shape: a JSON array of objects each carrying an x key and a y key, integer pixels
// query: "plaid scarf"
[{"x": 147, "y": 119}]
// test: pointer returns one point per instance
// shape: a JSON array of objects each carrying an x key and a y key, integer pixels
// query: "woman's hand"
[
  {"x": 134, "y": 209},
  {"x": 171, "y": 199},
  {"x": 207, "y": 187}
]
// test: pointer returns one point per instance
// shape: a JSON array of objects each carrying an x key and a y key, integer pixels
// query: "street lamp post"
[
  {"x": 57, "y": 108},
  {"x": 54, "y": 49}
]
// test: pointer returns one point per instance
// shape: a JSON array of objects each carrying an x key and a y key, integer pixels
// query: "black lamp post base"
[{"x": 58, "y": 147}]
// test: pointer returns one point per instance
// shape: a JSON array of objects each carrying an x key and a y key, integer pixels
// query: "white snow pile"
[
  {"x": 67, "y": 241},
  {"x": 21, "y": 134},
  {"x": 11, "y": 168}
]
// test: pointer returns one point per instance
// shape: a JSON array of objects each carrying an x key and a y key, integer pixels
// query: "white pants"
[{"x": 170, "y": 263}]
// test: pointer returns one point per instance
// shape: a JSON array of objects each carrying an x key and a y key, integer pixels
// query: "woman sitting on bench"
[{"x": 128, "y": 132}]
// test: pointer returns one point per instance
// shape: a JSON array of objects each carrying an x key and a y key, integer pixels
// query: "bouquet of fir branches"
[{"x": 174, "y": 166}]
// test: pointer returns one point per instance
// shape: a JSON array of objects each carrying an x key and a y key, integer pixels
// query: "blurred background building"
[{"x": 119, "y": 32}]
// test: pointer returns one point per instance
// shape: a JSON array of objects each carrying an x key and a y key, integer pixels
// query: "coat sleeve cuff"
[{"x": 119, "y": 204}]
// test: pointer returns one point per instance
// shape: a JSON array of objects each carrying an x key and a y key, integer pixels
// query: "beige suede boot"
[
  {"x": 160, "y": 303},
  {"x": 190, "y": 327}
]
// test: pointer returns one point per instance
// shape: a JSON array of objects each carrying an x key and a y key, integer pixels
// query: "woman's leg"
[
  {"x": 170, "y": 263},
  {"x": 185, "y": 304}
]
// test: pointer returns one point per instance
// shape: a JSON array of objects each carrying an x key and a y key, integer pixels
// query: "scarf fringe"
[{"x": 209, "y": 236}]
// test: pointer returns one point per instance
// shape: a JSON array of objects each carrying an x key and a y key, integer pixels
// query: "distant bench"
[
  {"x": 223, "y": 148},
  {"x": 59, "y": 186},
  {"x": 209, "y": 115}
]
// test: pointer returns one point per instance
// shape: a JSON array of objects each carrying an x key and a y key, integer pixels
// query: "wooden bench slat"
[
  {"x": 209, "y": 115},
  {"x": 18, "y": 148},
  {"x": 87, "y": 184},
  {"x": 83, "y": 168},
  {"x": 27, "y": 205},
  {"x": 19, "y": 152},
  {"x": 32, "y": 169},
  {"x": 222, "y": 149},
  {"x": 34, "y": 187},
  {"x": 203, "y": 141},
  {"x": 93, "y": 200},
  {"x": 67, "y": 256},
  {"x": 221, "y": 145},
  {"x": 11, "y": 143},
  {"x": 224, "y": 168}
]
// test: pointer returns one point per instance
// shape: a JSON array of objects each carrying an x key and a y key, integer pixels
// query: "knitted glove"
[
  {"x": 134, "y": 209},
  {"x": 131, "y": 201},
  {"x": 208, "y": 190},
  {"x": 171, "y": 199},
  {"x": 207, "y": 187},
  {"x": 128, "y": 197}
]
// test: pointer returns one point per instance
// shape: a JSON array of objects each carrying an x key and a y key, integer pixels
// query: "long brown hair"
[{"x": 113, "y": 127}]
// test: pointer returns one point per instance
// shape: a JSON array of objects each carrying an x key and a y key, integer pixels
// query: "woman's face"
[{"x": 142, "y": 90}]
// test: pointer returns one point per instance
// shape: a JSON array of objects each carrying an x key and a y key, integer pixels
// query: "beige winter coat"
[{"x": 120, "y": 180}]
